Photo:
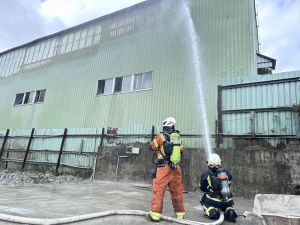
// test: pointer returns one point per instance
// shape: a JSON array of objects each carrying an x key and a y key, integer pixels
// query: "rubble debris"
[{"x": 8, "y": 177}]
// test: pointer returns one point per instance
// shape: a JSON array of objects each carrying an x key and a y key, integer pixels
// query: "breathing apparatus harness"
[
  {"x": 170, "y": 150},
  {"x": 220, "y": 182}
]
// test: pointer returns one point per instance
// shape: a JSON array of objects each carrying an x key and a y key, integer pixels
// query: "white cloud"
[
  {"x": 72, "y": 12},
  {"x": 278, "y": 23},
  {"x": 280, "y": 33},
  {"x": 21, "y": 22}
]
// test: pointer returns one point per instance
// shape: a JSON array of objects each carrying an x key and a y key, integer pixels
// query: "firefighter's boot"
[
  {"x": 214, "y": 214},
  {"x": 230, "y": 215}
]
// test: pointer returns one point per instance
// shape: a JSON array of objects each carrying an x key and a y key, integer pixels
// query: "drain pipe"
[
  {"x": 94, "y": 166},
  {"x": 36, "y": 221},
  {"x": 121, "y": 156}
]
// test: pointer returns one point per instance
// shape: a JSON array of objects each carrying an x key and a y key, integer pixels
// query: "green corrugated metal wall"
[
  {"x": 272, "y": 94},
  {"x": 228, "y": 43}
]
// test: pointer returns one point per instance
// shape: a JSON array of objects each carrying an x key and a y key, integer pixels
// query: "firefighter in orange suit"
[{"x": 168, "y": 148}]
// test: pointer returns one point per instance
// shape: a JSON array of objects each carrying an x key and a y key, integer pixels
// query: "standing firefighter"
[
  {"x": 215, "y": 183},
  {"x": 168, "y": 148}
]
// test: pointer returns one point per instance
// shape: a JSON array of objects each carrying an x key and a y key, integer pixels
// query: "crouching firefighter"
[
  {"x": 168, "y": 148},
  {"x": 215, "y": 182}
]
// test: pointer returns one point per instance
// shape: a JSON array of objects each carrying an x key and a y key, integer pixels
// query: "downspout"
[{"x": 121, "y": 156}]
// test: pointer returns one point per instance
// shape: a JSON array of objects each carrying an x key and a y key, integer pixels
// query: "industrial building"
[{"x": 131, "y": 68}]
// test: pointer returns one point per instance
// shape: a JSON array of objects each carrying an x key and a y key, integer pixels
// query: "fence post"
[
  {"x": 4, "y": 142},
  {"x": 152, "y": 133},
  {"x": 27, "y": 149},
  {"x": 252, "y": 123},
  {"x": 60, "y": 150},
  {"x": 297, "y": 125},
  {"x": 219, "y": 132},
  {"x": 98, "y": 152},
  {"x": 217, "y": 141},
  {"x": 101, "y": 141}
]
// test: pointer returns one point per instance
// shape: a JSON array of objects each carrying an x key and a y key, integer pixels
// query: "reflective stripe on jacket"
[{"x": 206, "y": 185}]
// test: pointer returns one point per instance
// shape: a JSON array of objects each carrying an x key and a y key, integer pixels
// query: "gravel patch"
[{"x": 25, "y": 178}]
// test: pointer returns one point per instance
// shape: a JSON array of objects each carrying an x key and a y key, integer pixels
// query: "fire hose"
[{"x": 66, "y": 220}]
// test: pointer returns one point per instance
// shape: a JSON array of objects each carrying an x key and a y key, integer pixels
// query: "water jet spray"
[{"x": 198, "y": 68}]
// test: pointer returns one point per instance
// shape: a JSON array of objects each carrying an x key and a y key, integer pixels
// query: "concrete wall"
[
  {"x": 261, "y": 170},
  {"x": 135, "y": 168},
  {"x": 256, "y": 169}
]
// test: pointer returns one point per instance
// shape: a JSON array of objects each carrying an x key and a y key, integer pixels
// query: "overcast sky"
[{"x": 22, "y": 21}]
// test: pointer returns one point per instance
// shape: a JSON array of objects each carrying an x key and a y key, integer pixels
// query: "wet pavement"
[{"x": 50, "y": 201}]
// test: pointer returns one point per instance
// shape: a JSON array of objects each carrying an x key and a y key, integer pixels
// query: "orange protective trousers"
[{"x": 167, "y": 177}]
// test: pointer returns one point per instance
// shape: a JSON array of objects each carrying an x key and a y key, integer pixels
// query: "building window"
[
  {"x": 135, "y": 82},
  {"x": 142, "y": 81},
  {"x": 19, "y": 99},
  {"x": 122, "y": 84},
  {"x": 30, "y": 97},
  {"x": 118, "y": 84},
  {"x": 265, "y": 64},
  {"x": 40, "y": 96},
  {"x": 105, "y": 87},
  {"x": 126, "y": 85}
]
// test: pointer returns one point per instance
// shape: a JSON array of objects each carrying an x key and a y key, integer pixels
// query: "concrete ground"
[{"x": 49, "y": 201}]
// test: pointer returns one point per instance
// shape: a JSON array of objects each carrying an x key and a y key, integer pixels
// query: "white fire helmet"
[
  {"x": 169, "y": 122},
  {"x": 214, "y": 160}
]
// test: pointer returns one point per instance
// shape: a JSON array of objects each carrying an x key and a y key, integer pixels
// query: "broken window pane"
[{"x": 19, "y": 99}]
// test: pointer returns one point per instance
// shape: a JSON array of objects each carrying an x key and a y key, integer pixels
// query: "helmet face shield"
[
  {"x": 169, "y": 130},
  {"x": 214, "y": 165}
]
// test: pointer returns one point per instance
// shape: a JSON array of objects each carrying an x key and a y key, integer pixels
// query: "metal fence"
[
  {"x": 62, "y": 149},
  {"x": 53, "y": 147},
  {"x": 262, "y": 109}
]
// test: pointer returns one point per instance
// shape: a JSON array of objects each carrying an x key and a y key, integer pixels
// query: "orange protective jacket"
[{"x": 157, "y": 145}]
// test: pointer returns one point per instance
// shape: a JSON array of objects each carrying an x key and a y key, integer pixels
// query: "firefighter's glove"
[{"x": 216, "y": 183}]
